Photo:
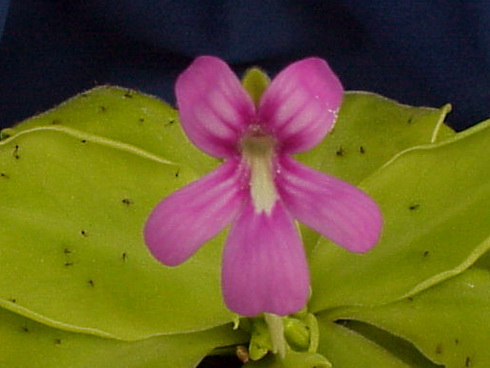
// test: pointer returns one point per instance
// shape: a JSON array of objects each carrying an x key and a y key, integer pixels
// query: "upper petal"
[
  {"x": 214, "y": 108},
  {"x": 264, "y": 265},
  {"x": 300, "y": 106},
  {"x": 194, "y": 214},
  {"x": 334, "y": 208}
]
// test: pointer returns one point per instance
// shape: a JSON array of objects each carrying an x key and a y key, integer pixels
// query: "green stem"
[{"x": 276, "y": 330}]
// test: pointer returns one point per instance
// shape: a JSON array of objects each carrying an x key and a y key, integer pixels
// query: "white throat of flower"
[{"x": 258, "y": 152}]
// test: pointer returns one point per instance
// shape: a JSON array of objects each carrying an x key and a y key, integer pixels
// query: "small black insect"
[
  {"x": 16, "y": 152},
  {"x": 414, "y": 206},
  {"x": 439, "y": 349},
  {"x": 127, "y": 201}
]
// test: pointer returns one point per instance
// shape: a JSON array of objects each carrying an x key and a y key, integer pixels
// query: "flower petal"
[
  {"x": 301, "y": 104},
  {"x": 264, "y": 265},
  {"x": 334, "y": 208},
  {"x": 214, "y": 108},
  {"x": 186, "y": 219}
]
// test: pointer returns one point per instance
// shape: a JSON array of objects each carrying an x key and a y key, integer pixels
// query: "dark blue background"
[{"x": 424, "y": 52}]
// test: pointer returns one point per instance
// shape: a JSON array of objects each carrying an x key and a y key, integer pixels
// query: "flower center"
[{"x": 258, "y": 152}]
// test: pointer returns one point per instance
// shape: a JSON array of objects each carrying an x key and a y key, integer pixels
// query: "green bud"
[
  {"x": 297, "y": 334},
  {"x": 255, "y": 81}
]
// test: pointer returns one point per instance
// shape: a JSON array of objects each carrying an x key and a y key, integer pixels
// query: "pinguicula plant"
[
  {"x": 260, "y": 189},
  {"x": 94, "y": 287}
]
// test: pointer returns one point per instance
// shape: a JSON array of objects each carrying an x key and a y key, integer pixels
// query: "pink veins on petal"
[{"x": 259, "y": 189}]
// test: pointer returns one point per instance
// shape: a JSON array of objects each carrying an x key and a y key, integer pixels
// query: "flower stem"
[{"x": 276, "y": 330}]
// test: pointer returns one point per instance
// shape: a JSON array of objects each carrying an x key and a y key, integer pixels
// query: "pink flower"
[{"x": 259, "y": 189}]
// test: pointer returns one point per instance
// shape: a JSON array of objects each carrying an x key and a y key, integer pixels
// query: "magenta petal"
[
  {"x": 214, "y": 108},
  {"x": 301, "y": 104},
  {"x": 264, "y": 265},
  {"x": 186, "y": 219},
  {"x": 334, "y": 208}
]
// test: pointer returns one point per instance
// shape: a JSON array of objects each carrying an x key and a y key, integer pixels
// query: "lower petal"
[
  {"x": 186, "y": 219},
  {"x": 264, "y": 264},
  {"x": 332, "y": 207}
]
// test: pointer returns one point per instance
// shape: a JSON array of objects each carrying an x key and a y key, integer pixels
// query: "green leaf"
[
  {"x": 365, "y": 347},
  {"x": 435, "y": 202},
  {"x": 124, "y": 116},
  {"x": 370, "y": 130},
  {"x": 449, "y": 322},
  {"x": 27, "y": 344},
  {"x": 72, "y": 253}
]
